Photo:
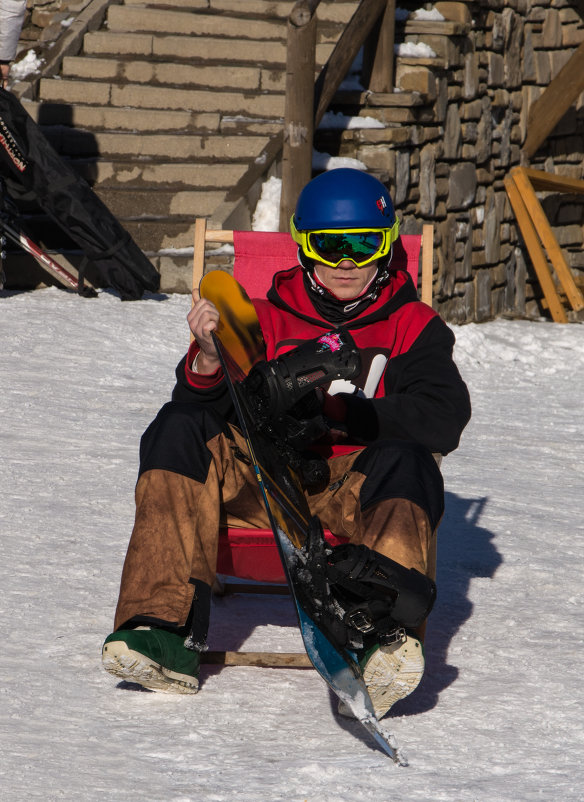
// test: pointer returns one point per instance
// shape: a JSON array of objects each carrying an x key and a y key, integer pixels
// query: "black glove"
[{"x": 282, "y": 393}]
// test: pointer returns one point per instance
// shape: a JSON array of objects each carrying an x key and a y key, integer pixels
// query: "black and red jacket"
[{"x": 420, "y": 395}]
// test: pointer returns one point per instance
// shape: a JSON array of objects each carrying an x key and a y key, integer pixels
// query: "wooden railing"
[{"x": 372, "y": 25}]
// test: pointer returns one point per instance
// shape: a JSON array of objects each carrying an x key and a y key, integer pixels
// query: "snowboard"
[{"x": 240, "y": 346}]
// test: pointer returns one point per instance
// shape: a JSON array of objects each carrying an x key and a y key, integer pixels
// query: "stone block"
[
  {"x": 457, "y": 12},
  {"x": 530, "y": 95},
  {"x": 392, "y": 136},
  {"x": 518, "y": 274},
  {"x": 377, "y": 158},
  {"x": 402, "y": 177},
  {"x": 568, "y": 235},
  {"x": 491, "y": 228},
  {"x": 464, "y": 262},
  {"x": 484, "y": 138},
  {"x": 558, "y": 59},
  {"x": 495, "y": 69},
  {"x": 552, "y": 29},
  {"x": 446, "y": 256},
  {"x": 427, "y": 181},
  {"x": 498, "y": 275},
  {"x": 421, "y": 134},
  {"x": 500, "y": 98},
  {"x": 442, "y": 187},
  {"x": 482, "y": 282},
  {"x": 416, "y": 79},
  {"x": 452, "y": 133},
  {"x": 543, "y": 68},
  {"x": 469, "y": 132},
  {"x": 471, "y": 75},
  {"x": 497, "y": 38},
  {"x": 572, "y": 36},
  {"x": 471, "y": 110},
  {"x": 498, "y": 301},
  {"x": 528, "y": 55},
  {"x": 441, "y": 103},
  {"x": 445, "y": 48}
]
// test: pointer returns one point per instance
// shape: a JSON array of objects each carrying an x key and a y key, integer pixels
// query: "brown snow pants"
[{"x": 175, "y": 536}]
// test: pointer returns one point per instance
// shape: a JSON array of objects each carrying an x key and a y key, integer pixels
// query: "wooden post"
[
  {"x": 548, "y": 240},
  {"x": 427, "y": 262},
  {"x": 261, "y": 659},
  {"x": 298, "y": 115},
  {"x": 536, "y": 252},
  {"x": 378, "y": 55},
  {"x": 360, "y": 25}
]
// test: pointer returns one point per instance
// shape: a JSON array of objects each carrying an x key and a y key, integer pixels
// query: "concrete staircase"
[{"x": 166, "y": 105}]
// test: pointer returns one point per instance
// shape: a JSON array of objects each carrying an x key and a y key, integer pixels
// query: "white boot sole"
[
  {"x": 392, "y": 673},
  {"x": 132, "y": 666}
]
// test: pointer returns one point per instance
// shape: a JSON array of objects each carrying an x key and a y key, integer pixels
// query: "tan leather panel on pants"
[{"x": 177, "y": 523}]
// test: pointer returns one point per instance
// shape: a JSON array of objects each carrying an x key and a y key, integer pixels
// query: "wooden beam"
[
  {"x": 378, "y": 53},
  {"x": 535, "y": 250},
  {"x": 555, "y": 101},
  {"x": 261, "y": 659},
  {"x": 547, "y": 182},
  {"x": 548, "y": 238},
  {"x": 427, "y": 262},
  {"x": 365, "y": 17}
]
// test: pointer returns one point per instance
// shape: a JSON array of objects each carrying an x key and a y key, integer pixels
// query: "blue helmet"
[{"x": 344, "y": 198}]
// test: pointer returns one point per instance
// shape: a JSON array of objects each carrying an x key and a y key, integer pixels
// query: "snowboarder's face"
[{"x": 346, "y": 281}]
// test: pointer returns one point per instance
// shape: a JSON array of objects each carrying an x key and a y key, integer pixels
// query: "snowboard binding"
[{"x": 359, "y": 596}]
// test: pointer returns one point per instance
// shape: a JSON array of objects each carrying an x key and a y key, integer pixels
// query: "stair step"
[
  {"x": 143, "y": 18},
  {"x": 102, "y": 93},
  {"x": 193, "y": 47},
  {"x": 135, "y": 203},
  {"x": 164, "y": 146},
  {"x": 177, "y": 175},
  {"x": 183, "y": 75},
  {"x": 106, "y": 118},
  {"x": 155, "y": 235},
  {"x": 326, "y": 11}
]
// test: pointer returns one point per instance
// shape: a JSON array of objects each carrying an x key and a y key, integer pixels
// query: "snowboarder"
[{"x": 407, "y": 406}]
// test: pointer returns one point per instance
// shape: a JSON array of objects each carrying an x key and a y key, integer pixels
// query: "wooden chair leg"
[{"x": 261, "y": 659}]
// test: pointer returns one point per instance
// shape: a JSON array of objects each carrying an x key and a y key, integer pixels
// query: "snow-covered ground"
[{"x": 499, "y": 713}]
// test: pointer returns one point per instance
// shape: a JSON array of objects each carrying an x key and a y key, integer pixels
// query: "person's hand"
[
  {"x": 4, "y": 73},
  {"x": 203, "y": 320}
]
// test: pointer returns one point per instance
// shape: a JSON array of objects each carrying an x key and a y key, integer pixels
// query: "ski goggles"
[{"x": 360, "y": 245}]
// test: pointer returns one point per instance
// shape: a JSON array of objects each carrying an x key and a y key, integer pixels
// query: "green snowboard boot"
[{"x": 154, "y": 658}]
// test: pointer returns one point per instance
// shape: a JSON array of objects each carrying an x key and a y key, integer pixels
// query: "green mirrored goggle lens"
[{"x": 333, "y": 246}]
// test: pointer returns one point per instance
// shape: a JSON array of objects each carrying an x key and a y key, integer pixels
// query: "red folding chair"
[{"x": 251, "y": 554}]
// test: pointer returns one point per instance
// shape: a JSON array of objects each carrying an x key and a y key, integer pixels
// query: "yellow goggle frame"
[{"x": 309, "y": 248}]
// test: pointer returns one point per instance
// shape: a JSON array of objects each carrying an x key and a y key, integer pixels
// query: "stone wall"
[{"x": 447, "y": 157}]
